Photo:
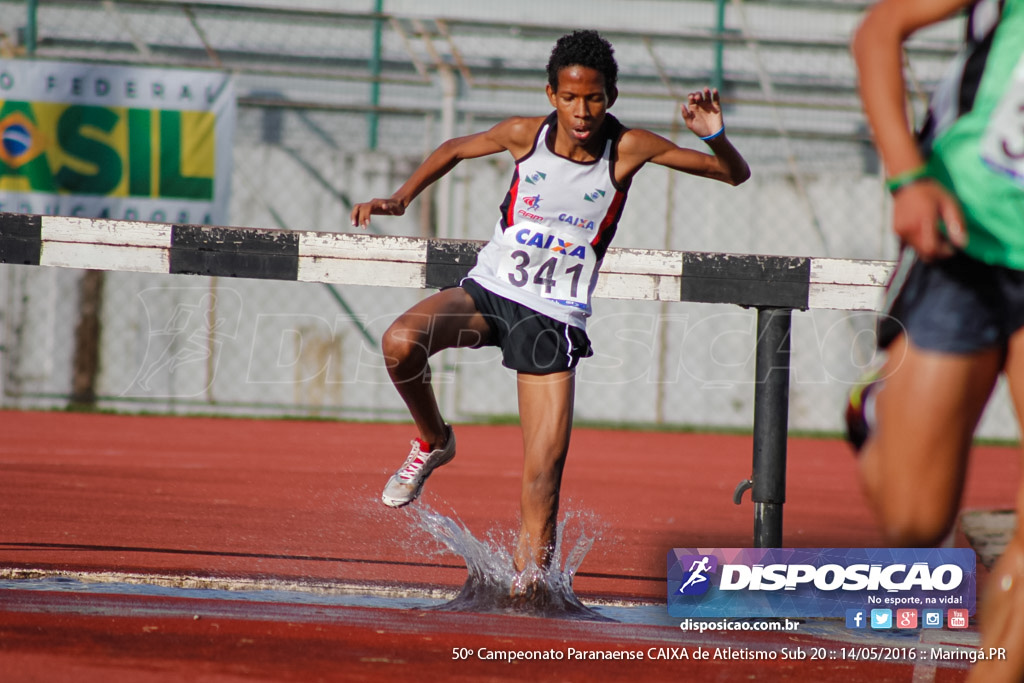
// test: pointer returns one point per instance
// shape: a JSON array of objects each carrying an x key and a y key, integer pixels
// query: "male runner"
[
  {"x": 530, "y": 290},
  {"x": 958, "y": 209}
]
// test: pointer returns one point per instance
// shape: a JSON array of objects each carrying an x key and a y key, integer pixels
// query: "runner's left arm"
[{"x": 702, "y": 113}]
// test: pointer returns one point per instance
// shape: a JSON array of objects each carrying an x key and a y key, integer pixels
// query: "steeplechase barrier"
[{"x": 774, "y": 286}]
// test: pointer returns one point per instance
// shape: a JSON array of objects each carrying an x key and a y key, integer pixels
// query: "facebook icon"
[{"x": 856, "y": 618}]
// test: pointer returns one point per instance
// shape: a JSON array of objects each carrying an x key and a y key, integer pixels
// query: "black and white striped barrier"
[
  {"x": 365, "y": 259},
  {"x": 774, "y": 285}
]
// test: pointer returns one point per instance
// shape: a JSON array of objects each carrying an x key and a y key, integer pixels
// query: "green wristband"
[{"x": 901, "y": 180}]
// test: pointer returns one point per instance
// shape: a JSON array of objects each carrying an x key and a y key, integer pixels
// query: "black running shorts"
[
  {"x": 954, "y": 305},
  {"x": 530, "y": 342}
]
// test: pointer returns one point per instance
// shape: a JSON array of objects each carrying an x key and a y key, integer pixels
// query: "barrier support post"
[{"x": 771, "y": 424}]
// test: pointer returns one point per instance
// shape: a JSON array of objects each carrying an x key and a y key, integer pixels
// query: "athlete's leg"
[
  {"x": 444, "y": 320},
  {"x": 1002, "y": 607},
  {"x": 914, "y": 463},
  {"x": 545, "y": 412}
]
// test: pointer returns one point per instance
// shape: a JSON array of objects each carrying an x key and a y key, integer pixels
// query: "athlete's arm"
[
  {"x": 702, "y": 113},
  {"x": 514, "y": 134},
  {"x": 877, "y": 50}
]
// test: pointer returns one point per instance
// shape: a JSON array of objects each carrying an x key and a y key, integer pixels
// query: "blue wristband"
[{"x": 706, "y": 138}]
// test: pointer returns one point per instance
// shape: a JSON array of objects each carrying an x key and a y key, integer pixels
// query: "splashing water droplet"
[{"x": 494, "y": 587}]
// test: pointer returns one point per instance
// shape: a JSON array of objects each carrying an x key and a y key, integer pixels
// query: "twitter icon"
[{"x": 881, "y": 618}]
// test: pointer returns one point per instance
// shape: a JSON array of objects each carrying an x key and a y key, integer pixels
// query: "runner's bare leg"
[
  {"x": 545, "y": 413},
  {"x": 914, "y": 464},
  {"x": 445, "y": 320},
  {"x": 1001, "y": 610}
]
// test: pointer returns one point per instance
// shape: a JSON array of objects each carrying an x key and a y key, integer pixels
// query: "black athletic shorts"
[
  {"x": 953, "y": 305},
  {"x": 529, "y": 341}
]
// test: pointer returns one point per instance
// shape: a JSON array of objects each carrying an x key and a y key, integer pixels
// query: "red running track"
[{"x": 291, "y": 500}]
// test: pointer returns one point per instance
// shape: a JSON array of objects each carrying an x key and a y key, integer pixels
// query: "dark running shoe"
[{"x": 860, "y": 411}]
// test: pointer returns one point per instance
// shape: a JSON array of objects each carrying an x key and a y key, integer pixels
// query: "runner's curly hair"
[{"x": 584, "y": 48}]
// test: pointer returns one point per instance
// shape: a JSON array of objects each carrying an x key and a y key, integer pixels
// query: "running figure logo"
[
  {"x": 186, "y": 330},
  {"x": 696, "y": 581}
]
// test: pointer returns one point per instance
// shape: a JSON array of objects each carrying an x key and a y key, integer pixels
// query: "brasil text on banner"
[
  {"x": 116, "y": 141},
  {"x": 817, "y": 582}
]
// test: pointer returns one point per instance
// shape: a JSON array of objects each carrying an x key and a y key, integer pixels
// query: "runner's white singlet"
[{"x": 557, "y": 221}]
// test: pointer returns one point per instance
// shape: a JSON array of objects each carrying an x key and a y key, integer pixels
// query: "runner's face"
[{"x": 581, "y": 102}]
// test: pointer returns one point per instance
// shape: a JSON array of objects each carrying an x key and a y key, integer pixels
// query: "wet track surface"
[{"x": 169, "y": 549}]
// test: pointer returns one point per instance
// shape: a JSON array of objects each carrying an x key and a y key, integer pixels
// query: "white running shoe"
[{"x": 405, "y": 485}]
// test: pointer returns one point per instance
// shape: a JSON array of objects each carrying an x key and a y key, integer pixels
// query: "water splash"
[{"x": 494, "y": 586}]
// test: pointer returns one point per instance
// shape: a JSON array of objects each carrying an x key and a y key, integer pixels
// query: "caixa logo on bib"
[
  {"x": 816, "y": 582},
  {"x": 550, "y": 242}
]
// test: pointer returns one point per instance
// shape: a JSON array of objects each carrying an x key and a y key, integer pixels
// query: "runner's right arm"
[
  {"x": 877, "y": 50},
  {"x": 515, "y": 135}
]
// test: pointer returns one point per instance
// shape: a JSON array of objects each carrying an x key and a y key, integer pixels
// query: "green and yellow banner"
[{"x": 115, "y": 142}]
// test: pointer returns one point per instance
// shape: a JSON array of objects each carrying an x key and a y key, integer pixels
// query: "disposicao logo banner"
[
  {"x": 817, "y": 582},
  {"x": 115, "y": 142}
]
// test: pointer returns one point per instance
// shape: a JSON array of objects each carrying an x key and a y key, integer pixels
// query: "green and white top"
[{"x": 973, "y": 137}]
